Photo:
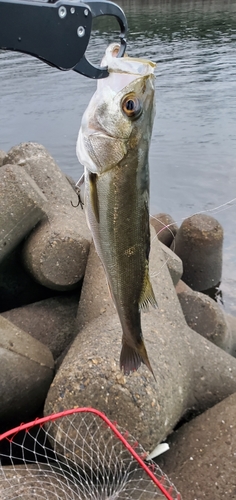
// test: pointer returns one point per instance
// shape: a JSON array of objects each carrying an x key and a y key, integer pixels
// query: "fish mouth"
[{"x": 130, "y": 65}]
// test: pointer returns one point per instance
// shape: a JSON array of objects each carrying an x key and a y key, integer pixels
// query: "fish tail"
[{"x": 132, "y": 357}]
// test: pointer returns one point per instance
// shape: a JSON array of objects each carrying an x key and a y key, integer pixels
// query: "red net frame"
[{"x": 91, "y": 418}]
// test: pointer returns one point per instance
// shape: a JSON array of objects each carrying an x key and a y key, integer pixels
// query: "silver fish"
[{"x": 113, "y": 145}]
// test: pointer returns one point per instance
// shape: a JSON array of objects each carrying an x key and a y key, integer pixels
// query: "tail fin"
[{"x": 131, "y": 358}]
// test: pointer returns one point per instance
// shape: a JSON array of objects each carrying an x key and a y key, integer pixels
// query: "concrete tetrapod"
[
  {"x": 56, "y": 252},
  {"x": 26, "y": 371},
  {"x": 22, "y": 206},
  {"x": 205, "y": 316},
  {"x": 95, "y": 299},
  {"x": 27, "y": 481},
  {"x": 51, "y": 321},
  {"x": 2, "y": 156},
  {"x": 173, "y": 262},
  {"x": 199, "y": 243},
  {"x": 201, "y": 460},
  {"x": 192, "y": 374},
  {"x": 17, "y": 286},
  {"x": 165, "y": 227}
]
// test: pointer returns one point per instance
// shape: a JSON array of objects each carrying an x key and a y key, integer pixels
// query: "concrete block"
[
  {"x": 56, "y": 252},
  {"x": 165, "y": 227},
  {"x": 36, "y": 481},
  {"x": 204, "y": 316},
  {"x": 2, "y": 156},
  {"x": 50, "y": 321},
  {"x": 17, "y": 286},
  {"x": 26, "y": 371},
  {"x": 198, "y": 243},
  {"x": 22, "y": 206},
  {"x": 201, "y": 460},
  {"x": 174, "y": 263},
  {"x": 192, "y": 374}
]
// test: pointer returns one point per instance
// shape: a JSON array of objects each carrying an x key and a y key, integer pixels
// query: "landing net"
[{"x": 78, "y": 454}]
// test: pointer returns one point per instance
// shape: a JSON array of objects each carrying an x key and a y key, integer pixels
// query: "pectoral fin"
[
  {"x": 80, "y": 182},
  {"x": 147, "y": 296},
  {"x": 94, "y": 194}
]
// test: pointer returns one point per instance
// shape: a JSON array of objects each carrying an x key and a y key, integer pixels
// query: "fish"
[{"x": 113, "y": 146}]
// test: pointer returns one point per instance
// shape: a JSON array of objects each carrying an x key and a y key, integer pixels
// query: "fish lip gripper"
[{"x": 58, "y": 32}]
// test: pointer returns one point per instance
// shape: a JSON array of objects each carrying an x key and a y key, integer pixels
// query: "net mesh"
[{"x": 78, "y": 454}]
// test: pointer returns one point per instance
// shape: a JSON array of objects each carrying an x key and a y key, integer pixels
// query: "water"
[{"x": 193, "y": 151}]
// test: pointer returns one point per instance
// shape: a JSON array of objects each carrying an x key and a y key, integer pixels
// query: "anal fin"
[{"x": 147, "y": 296}]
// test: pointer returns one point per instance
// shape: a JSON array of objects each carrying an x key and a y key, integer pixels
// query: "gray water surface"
[{"x": 193, "y": 150}]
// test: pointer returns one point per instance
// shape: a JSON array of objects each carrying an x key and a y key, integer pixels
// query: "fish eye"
[{"x": 131, "y": 106}]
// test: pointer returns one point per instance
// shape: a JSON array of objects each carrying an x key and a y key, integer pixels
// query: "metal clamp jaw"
[{"x": 57, "y": 33}]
